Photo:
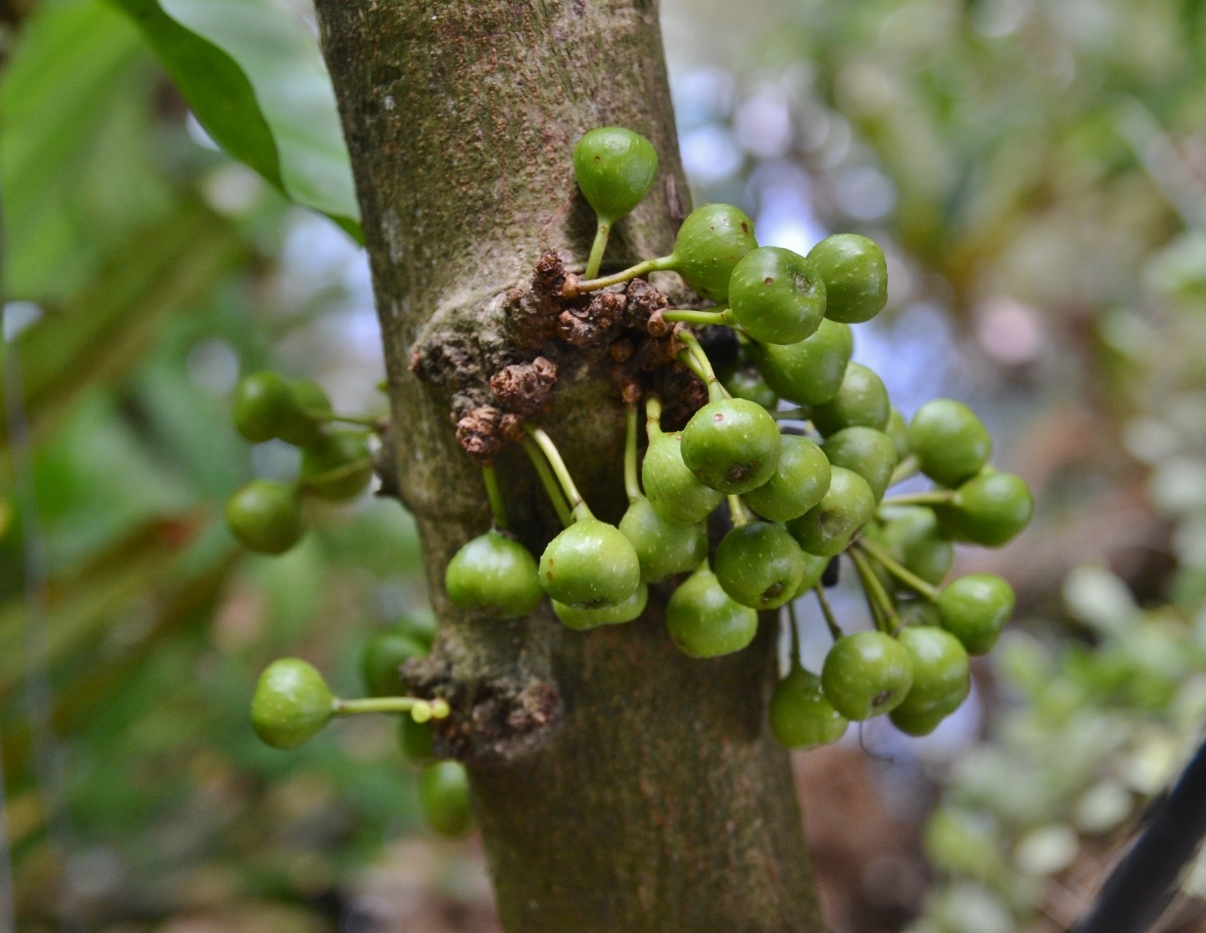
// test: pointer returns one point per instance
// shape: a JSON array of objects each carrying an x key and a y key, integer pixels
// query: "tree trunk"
[{"x": 619, "y": 785}]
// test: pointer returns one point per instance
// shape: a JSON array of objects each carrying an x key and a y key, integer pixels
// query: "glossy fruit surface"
[
  {"x": 262, "y": 404},
  {"x": 759, "y": 565},
  {"x": 590, "y": 564},
  {"x": 615, "y": 168},
  {"x": 856, "y": 276},
  {"x": 496, "y": 573},
  {"x": 866, "y": 674},
  {"x": 868, "y": 452},
  {"x": 416, "y": 741},
  {"x": 337, "y": 466},
  {"x": 897, "y": 428},
  {"x": 291, "y": 703},
  {"x": 777, "y": 296},
  {"x": 383, "y": 658},
  {"x": 266, "y": 516},
  {"x": 914, "y": 538},
  {"x": 917, "y": 722},
  {"x": 991, "y": 508},
  {"x": 710, "y": 243},
  {"x": 949, "y": 441},
  {"x": 704, "y": 622},
  {"x": 809, "y": 372},
  {"x": 814, "y": 569},
  {"x": 444, "y": 796},
  {"x": 861, "y": 400},
  {"x": 310, "y": 404},
  {"x": 800, "y": 481},
  {"x": 583, "y": 619},
  {"x": 800, "y": 716},
  {"x": 663, "y": 548},
  {"x": 941, "y": 672},
  {"x": 731, "y": 446},
  {"x": 827, "y": 527},
  {"x": 674, "y": 492},
  {"x": 747, "y": 382},
  {"x": 975, "y": 608}
]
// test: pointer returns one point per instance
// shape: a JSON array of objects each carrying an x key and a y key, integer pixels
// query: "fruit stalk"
[{"x": 890, "y": 564}]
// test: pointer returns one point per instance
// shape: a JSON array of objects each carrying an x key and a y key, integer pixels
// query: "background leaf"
[{"x": 255, "y": 80}]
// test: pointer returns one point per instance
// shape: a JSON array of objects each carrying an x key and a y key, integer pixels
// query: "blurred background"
[{"x": 1035, "y": 171}]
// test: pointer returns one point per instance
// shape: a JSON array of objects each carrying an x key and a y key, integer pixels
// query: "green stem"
[
  {"x": 738, "y": 512},
  {"x": 632, "y": 485},
  {"x": 597, "y": 249},
  {"x": 933, "y": 497},
  {"x": 716, "y": 392},
  {"x": 497, "y": 507},
  {"x": 795, "y": 633},
  {"x": 792, "y": 414},
  {"x": 827, "y": 611},
  {"x": 548, "y": 481},
  {"x": 653, "y": 417},
  {"x": 693, "y": 316},
  {"x": 875, "y": 592},
  {"x": 577, "y": 504},
  {"x": 420, "y": 710},
  {"x": 376, "y": 425},
  {"x": 641, "y": 268},
  {"x": 877, "y": 553},
  {"x": 333, "y": 476},
  {"x": 906, "y": 468}
]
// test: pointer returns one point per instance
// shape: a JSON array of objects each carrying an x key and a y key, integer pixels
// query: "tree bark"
[{"x": 618, "y": 784}]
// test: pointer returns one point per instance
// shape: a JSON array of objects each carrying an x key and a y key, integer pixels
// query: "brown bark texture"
[{"x": 619, "y": 785}]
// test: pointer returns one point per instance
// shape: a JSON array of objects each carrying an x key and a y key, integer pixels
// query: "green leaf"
[
  {"x": 75, "y": 149},
  {"x": 256, "y": 82}
]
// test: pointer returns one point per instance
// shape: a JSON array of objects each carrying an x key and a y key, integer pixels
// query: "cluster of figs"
[
  {"x": 802, "y": 483},
  {"x": 797, "y": 443}
]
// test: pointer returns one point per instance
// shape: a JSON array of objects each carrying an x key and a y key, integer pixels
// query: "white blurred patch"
[
  {"x": 710, "y": 154},
  {"x": 763, "y": 123},
  {"x": 1009, "y": 331},
  {"x": 213, "y": 365},
  {"x": 18, "y": 317}
]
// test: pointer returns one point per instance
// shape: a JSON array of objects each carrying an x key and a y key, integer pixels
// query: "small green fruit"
[
  {"x": 262, "y": 404},
  {"x": 777, "y": 296},
  {"x": 416, "y": 741},
  {"x": 615, "y": 168},
  {"x": 663, "y": 548},
  {"x": 746, "y": 382},
  {"x": 990, "y": 509},
  {"x": 801, "y": 480},
  {"x": 419, "y": 624},
  {"x": 759, "y": 565},
  {"x": 731, "y": 445},
  {"x": 674, "y": 492},
  {"x": 809, "y": 372},
  {"x": 868, "y": 452},
  {"x": 914, "y": 538},
  {"x": 704, "y": 622},
  {"x": 917, "y": 612},
  {"x": 898, "y": 430},
  {"x": 866, "y": 674},
  {"x": 337, "y": 466},
  {"x": 861, "y": 400},
  {"x": 814, "y": 569},
  {"x": 444, "y": 796},
  {"x": 291, "y": 703},
  {"x": 975, "y": 608},
  {"x": 589, "y": 565},
  {"x": 826, "y": 528},
  {"x": 800, "y": 716},
  {"x": 949, "y": 441},
  {"x": 710, "y": 243},
  {"x": 855, "y": 274},
  {"x": 584, "y": 619},
  {"x": 496, "y": 573},
  {"x": 383, "y": 658},
  {"x": 941, "y": 678},
  {"x": 310, "y": 406},
  {"x": 266, "y": 516}
]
